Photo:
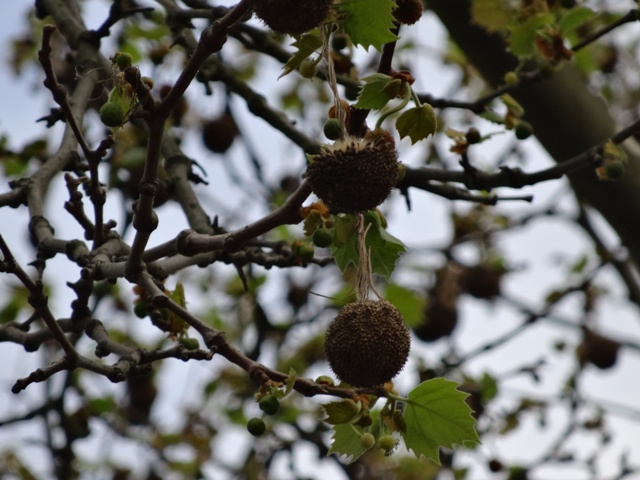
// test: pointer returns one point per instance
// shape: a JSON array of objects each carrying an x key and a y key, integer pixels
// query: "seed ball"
[
  {"x": 367, "y": 440},
  {"x": 269, "y": 405},
  {"x": 523, "y": 130},
  {"x": 598, "y": 350},
  {"x": 408, "y": 12},
  {"x": 332, "y": 129},
  {"x": 387, "y": 443},
  {"x": 322, "y": 237},
  {"x": 111, "y": 114},
  {"x": 355, "y": 174},
  {"x": 292, "y": 16},
  {"x": 368, "y": 343},
  {"x": 219, "y": 133},
  {"x": 256, "y": 427}
]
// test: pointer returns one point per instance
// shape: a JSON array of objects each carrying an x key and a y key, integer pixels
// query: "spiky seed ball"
[
  {"x": 292, "y": 16},
  {"x": 368, "y": 343},
  {"x": 408, "y": 11},
  {"x": 355, "y": 174}
]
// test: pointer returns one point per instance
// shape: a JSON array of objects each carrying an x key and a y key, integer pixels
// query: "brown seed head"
[
  {"x": 355, "y": 174},
  {"x": 292, "y": 16},
  {"x": 408, "y": 12},
  {"x": 368, "y": 343}
]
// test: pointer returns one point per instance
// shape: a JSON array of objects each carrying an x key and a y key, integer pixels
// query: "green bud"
[
  {"x": 332, "y": 129},
  {"x": 111, "y": 114},
  {"x": 256, "y": 427},
  {"x": 269, "y": 405},
  {"x": 122, "y": 60},
  {"x": 511, "y": 79},
  {"x": 367, "y": 440},
  {"x": 523, "y": 130},
  {"x": 189, "y": 343},
  {"x": 322, "y": 238},
  {"x": 305, "y": 251},
  {"x": 325, "y": 379},
  {"x": 308, "y": 68},
  {"x": 387, "y": 443},
  {"x": 614, "y": 170}
]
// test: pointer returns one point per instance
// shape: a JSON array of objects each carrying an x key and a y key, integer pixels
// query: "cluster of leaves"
[{"x": 433, "y": 415}]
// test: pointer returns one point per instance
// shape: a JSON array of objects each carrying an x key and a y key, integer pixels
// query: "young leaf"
[
  {"x": 436, "y": 416},
  {"x": 574, "y": 18},
  {"x": 305, "y": 45},
  {"x": 385, "y": 248},
  {"x": 368, "y": 22},
  {"x": 291, "y": 381},
  {"x": 346, "y": 441},
  {"x": 341, "y": 411},
  {"x": 376, "y": 91},
  {"x": 417, "y": 123},
  {"x": 522, "y": 38}
]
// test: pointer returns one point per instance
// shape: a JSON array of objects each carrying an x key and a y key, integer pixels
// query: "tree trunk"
[{"x": 567, "y": 117}]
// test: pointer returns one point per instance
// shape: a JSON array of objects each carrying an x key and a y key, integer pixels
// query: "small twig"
[
  {"x": 630, "y": 16},
  {"x": 191, "y": 243},
  {"x": 96, "y": 191},
  {"x": 37, "y": 299}
]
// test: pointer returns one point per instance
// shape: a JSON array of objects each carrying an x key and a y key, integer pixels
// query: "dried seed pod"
[
  {"x": 368, "y": 343},
  {"x": 355, "y": 174},
  {"x": 292, "y": 16},
  {"x": 408, "y": 12}
]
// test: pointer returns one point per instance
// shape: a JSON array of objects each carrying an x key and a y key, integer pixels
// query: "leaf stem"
[{"x": 408, "y": 94}]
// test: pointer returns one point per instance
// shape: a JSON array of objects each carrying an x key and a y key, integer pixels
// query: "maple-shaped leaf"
[
  {"x": 417, "y": 123},
  {"x": 342, "y": 411},
  {"x": 385, "y": 249},
  {"x": 575, "y": 18},
  {"x": 346, "y": 442},
  {"x": 305, "y": 46},
  {"x": 368, "y": 22},
  {"x": 436, "y": 415},
  {"x": 377, "y": 90},
  {"x": 522, "y": 38}
]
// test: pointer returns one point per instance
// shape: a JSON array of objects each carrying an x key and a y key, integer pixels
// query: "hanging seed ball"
[
  {"x": 292, "y": 16},
  {"x": 368, "y": 343},
  {"x": 355, "y": 174},
  {"x": 408, "y": 12}
]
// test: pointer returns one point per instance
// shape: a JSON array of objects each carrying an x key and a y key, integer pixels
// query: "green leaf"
[
  {"x": 346, "y": 441},
  {"x": 490, "y": 14},
  {"x": 385, "y": 248},
  {"x": 436, "y": 416},
  {"x": 522, "y": 38},
  {"x": 178, "y": 295},
  {"x": 291, "y": 381},
  {"x": 417, "y": 123},
  {"x": 305, "y": 45},
  {"x": 368, "y": 22},
  {"x": 342, "y": 411},
  {"x": 377, "y": 90},
  {"x": 409, "y": 303},
  {"x": 573, "y": 19}
]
